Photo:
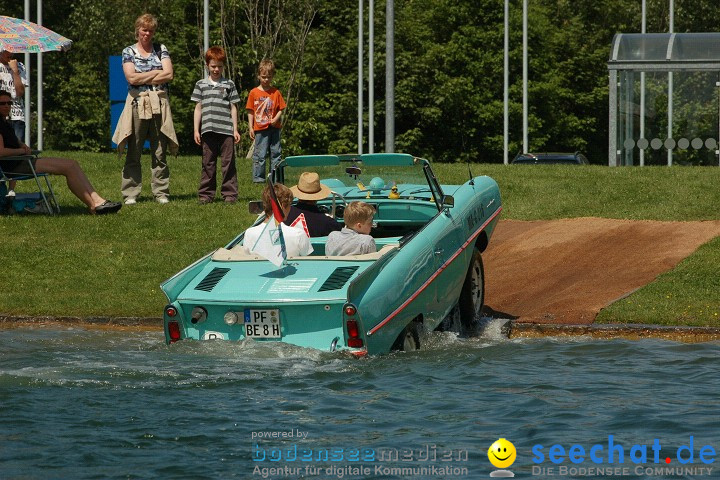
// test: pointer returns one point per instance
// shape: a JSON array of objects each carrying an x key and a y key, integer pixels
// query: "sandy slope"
[{"x": 565, "y": 271}]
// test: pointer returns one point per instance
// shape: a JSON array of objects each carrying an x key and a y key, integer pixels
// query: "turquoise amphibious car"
[{"x": 426, "y": 274}]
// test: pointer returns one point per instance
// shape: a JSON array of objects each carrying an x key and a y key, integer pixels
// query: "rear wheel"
[
  {"x": 409, "y": 339},
  {"x": 451, "y": 323},
  {"x": 473, "y": 293}
]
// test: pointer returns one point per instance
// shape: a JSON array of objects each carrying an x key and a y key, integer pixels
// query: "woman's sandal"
[{"x": 108, "y": 207}]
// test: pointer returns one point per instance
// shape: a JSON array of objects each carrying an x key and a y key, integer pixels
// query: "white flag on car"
[{"x": 271, "y": 244}]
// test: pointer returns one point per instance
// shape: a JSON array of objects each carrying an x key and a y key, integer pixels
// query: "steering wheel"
[{"x": 334, "y": 211}]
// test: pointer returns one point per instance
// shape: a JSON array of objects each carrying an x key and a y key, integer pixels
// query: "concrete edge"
[
  {"x": 608, "y": 331},
  {"x": 513, "y": 329}
]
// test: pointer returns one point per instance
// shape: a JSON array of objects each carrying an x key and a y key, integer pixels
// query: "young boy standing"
[
  {"x": 215, "y": 128},
  {"x": 355, "y": 237},
  {"x": 265, "y": 105}
]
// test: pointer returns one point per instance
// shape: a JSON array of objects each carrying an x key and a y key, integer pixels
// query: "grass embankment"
[{"x": 78, "y": 265}]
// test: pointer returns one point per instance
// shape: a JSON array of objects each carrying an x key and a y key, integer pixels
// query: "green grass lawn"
[{"x": 81, "y": 265}]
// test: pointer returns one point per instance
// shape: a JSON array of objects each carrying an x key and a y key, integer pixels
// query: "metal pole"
[
  {"x": 612, "y": 120},
  {"x": 525, "y": 78},
  {"x": 27, "y": 90},
  {"x": 670, "y": 88},
  {"x": 360, "y": 77},
  {"x": 390, "y": 76},
  {"x": 371, "y": 77},
  {"x": 506, "y": 85},
  {"x": 206, "y": 29},
  {"x": 39, "y": 86},
  {"x": 643, "y": 28},
  {"x": 628, "y": 85},
  {"x": 206, "y": 25}
]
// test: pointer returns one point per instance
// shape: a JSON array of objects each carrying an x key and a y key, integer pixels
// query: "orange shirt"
[{"x": 264, "y": 105}]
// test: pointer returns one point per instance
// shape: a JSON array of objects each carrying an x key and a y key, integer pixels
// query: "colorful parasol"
[{"x": 20, "y": 36}]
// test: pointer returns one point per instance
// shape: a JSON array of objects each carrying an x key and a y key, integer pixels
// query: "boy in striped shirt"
[{"x": 215, "y": 128}]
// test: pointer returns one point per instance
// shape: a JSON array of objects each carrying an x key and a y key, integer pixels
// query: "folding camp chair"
[{"x": 49, "y": 200}]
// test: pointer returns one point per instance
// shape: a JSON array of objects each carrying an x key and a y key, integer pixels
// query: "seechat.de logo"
[{"x": 612, "y": 458}]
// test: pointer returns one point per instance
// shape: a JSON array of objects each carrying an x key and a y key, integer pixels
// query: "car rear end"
[{"x": 303, "y": 304}]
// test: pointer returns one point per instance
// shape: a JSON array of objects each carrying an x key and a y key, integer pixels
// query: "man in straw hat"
[{"x": 306, "y": 213}]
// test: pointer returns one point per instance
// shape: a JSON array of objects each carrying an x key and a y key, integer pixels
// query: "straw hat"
[{"x": 310, "y": 188}]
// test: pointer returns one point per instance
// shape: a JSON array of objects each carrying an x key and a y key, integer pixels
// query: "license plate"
[{"x": 262, "y": 323}]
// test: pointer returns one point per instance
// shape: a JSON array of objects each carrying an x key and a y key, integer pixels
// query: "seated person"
[
  {"x": 355, "y": 237},
  {"x": 296, "y": 242},
  {"x": 306, "y": 213},
  {"x": 76, "y": 179}
]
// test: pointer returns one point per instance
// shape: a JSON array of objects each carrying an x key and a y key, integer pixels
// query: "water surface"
[{"x": 79, "y": 404}]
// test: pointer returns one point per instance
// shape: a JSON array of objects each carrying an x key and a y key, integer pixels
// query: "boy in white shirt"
[{"x": 354, "y": 238}]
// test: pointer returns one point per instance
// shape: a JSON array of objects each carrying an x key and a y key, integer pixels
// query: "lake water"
[{"x": 82, "y": 404}]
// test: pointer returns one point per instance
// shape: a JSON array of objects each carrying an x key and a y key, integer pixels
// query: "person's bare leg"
[{"x": 76, "y": 179}]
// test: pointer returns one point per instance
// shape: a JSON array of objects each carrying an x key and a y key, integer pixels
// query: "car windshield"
[{"x": 363, "y": 176}]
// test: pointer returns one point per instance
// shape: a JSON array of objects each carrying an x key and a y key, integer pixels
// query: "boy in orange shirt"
[{"x": 265, "y": 105}]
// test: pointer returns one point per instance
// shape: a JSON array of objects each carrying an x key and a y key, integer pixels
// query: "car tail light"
[
  {"x": 170, "y": 311},
  {"x": 173, "y": 331},
  {"x": 352, "y": 327}
]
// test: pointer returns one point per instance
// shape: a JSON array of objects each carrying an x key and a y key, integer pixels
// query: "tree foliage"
[{"x": 448, "y": 64}]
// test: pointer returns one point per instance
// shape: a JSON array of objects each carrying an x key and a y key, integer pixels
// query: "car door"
[{"x": 449, "y": 261}]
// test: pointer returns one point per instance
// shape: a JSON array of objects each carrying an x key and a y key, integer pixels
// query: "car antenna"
[{"x": 472, "y": 182}]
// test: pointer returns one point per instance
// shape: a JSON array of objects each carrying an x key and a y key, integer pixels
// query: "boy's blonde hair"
[
  {"x": 358, "y": 212},
  {"x": 266, "y": 65}
]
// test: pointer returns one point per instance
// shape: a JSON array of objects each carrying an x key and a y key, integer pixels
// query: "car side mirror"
[
  {"x": 448, "y": 201},
  {"x": 256, "y": 207}
]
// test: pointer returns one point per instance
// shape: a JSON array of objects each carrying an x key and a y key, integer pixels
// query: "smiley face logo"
[{"x": 502, "y": 453}]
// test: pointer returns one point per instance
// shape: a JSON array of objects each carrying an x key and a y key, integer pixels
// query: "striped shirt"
[{"x": 215, "y": 100}]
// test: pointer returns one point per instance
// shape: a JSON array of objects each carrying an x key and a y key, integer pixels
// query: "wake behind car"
[{"x": 428, "y": 268}]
